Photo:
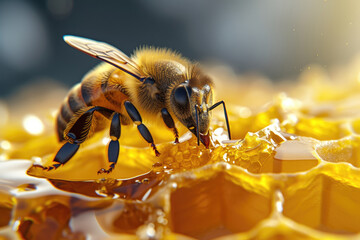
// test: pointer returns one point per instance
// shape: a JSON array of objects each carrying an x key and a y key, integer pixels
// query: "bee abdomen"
[{"x": 73, "y": 103}]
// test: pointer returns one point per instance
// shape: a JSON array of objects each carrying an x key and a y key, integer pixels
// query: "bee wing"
[{"x": 106, "y": 53}]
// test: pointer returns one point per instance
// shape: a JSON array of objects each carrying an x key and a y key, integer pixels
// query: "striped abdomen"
[{"x": 103, "y": 87}]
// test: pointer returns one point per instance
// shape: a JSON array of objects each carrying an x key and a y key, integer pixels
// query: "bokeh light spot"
[{"x": 33, "y": 125}]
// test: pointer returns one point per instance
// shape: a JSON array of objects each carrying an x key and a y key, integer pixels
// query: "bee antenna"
[
  {"x": 225, "y": 113},
  {"x": 197, "y": 124}
]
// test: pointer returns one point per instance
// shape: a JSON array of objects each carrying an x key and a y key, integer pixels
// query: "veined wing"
[{"x": 106, "y": 53}]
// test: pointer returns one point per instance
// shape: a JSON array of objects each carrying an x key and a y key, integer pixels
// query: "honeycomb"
[{"x": 291, "y": 170}]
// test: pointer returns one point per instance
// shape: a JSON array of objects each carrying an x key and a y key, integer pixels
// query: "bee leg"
[
  {"x": 135, "y": 116},
  {"x": 168, "y": 120},
  {"x": 75, "y": 134},
  {"x": 65, "y": 153},
  {"x": 114, "y": 146},
  {"x": 197, "y": 124}
]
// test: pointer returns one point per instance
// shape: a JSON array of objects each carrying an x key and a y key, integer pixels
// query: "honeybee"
[{"x": 154, "y": 82}]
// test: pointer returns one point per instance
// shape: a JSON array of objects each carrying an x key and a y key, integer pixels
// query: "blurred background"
[{"x": 276, "y": 38}]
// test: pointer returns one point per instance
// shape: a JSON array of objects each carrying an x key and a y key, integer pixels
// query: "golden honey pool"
[{"x": 291, "y": 170}]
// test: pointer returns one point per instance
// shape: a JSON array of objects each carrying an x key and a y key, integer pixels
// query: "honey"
[{"x": 291, "y": 171}]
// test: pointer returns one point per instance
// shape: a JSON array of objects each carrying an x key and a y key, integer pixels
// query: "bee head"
[{"x": 190, "y": 106}]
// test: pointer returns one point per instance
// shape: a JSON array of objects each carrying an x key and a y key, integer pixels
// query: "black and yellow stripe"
[{"x": 98, "y": 88}]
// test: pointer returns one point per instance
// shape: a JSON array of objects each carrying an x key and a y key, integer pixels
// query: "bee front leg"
[
  {"x": 168, "y": 120},
  {"x": 135, "y": 116},
  {"x": 114, "y": 146}
]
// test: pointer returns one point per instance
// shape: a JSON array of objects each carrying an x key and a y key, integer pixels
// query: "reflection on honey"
[{"x": 291, "y": 171}]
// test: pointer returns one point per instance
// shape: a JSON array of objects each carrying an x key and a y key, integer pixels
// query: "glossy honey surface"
[{"x": 291, "y": 170}]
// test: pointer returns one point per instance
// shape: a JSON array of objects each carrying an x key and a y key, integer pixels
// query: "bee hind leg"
[
  {"x": 65, "y": 153},
  {"x": 114, "y": 146},
  {"x": 75, "y": 133},
  {"x": 144, "y": 131},
  {"x": 169, "y": 122}
]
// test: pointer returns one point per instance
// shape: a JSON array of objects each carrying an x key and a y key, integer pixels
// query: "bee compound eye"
[{"x": 181, "y": 96}]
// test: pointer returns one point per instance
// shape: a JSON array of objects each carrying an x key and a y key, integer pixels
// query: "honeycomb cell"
[
  {"x": 203, "y": 208},
  {"x": 293, "y": 156},
  {"x": 250, "y": 153},
  {"x": 270, "y": 151},
  {"x": 342, "y": 150},
  {"x": 48, "y": 223},
  {"x": 5, "y": 210},
  {"x": 326, "y": 199},
  {"x": 123, "y": 218},
  {"x": 319, "y": 128},
  {"x": 183, "y": 156}
]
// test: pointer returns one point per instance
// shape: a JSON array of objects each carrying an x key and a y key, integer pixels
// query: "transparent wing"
[{"x": 106, "y": 53}]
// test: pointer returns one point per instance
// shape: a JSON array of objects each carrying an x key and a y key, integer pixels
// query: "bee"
[{"x": 156, "y": 82}]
